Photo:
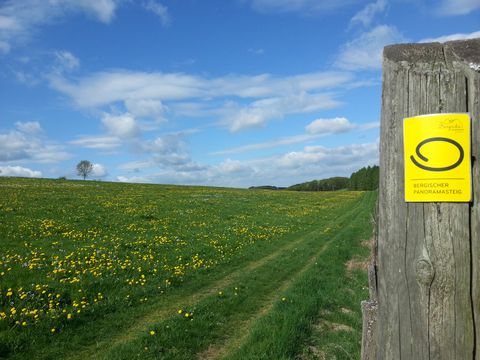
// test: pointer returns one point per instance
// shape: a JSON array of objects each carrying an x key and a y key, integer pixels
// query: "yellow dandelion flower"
[
  {"x": 152, "y": 332},
  {"x": 52, "y": 330},
  {"x": 180, "y": 311}
]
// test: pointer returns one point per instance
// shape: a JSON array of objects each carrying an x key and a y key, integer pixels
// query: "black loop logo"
[{"x": 428, "y": 168}]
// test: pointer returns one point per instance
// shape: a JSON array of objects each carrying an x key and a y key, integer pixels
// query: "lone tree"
[{"x": 84, "y": 168}]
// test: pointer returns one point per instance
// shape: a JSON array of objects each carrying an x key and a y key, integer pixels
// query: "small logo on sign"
[{"x": 451, "y": 125}]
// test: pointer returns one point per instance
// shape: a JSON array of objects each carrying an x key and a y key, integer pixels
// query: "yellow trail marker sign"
[{"x": 437, "y": 158}]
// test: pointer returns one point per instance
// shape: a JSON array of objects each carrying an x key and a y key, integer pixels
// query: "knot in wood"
[{"x": 424, "y": 271}]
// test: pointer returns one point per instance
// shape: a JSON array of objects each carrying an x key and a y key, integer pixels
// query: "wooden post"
[{"x": 428, "y": 253}]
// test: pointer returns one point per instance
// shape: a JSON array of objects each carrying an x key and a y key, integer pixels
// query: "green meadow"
[{"x": 93, "y": 270}]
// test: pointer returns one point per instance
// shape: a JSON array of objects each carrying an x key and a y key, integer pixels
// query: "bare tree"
[{"x": 84, "y": 168}]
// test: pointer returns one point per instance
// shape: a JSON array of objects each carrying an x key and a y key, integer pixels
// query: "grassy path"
[
  {"x": 217, "y": 351},
  {"x": 223, "y": 325},
  {"x": 163, "y": 311},
  {"x": 259, "y": 325},
  {"x": 322, "y": 287}
]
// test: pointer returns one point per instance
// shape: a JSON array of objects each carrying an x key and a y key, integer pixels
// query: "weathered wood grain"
[
  {"x": 428, "y": 253},
  {"x": 369, "y": 315}
]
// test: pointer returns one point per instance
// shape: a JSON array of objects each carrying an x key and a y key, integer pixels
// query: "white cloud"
[
  {"x": 300, "y": 6},
  {"x": 99, "y": 171},
  {"x": 97, "y": 142},
  {"x": 257, "y": 51},
  {"x": 14, "y": 146},
  {"x": 160, "y": 10},
  {"x": 4, "y": 47},
  {"x": 49, "y": 153},
  {"x": 169, "y": 153},
  {"x": 255, "y": 115},
  {"x": 122, "y": 126},
  {"x": 315, "y": 130},
  {"x": 365, "y": 52},
  {"x": 19, "y": 171},
  {"x": 260, "y": 112},
  {"x": 370, "y": 125},
  {"x": 313, "y": 162},
  {"x": 458, "y": 7},
  {"x": 368, "y": 13},
  {"x": 66, "y": 61},
  {"x": 267, "y": 85},
  {"x": 29, "y": 127},
  {"x": 103, "y": 10},
  {"x": 117, "y": 86},
  {"x": 8, "y": 23},
  {"x": 295, "y": 160},
  {"x": 289, "y": 140},
  {"x": 169, "y": 176},
  {"x": 169, "y": 150},
  {"x": 351, "y": 156},
  {"x": 451, "y": 37},
  {"x": 134, "y": 179},
  {"x": 105, "y": 88},
  {"x": 196, "y": 109},
  {"x": 330, "y": 126},
  {"x": 146, "y": 108},
  {"x": 18, "y": 19},
  {"x": 27, "y": 79},
  {"x": 28, "y": 143},
  {"x": 261, "y": 98},
  {"x": 136, "y": 166},
  {"x": 231, "y": 167}
]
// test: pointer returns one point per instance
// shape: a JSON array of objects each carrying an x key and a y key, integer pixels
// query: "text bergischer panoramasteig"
[{"x": 434, "y": 188}]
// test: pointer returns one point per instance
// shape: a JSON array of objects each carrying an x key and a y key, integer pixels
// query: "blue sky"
[{"x": 205, "y": 92}]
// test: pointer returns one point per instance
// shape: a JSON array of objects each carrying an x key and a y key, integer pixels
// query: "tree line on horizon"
[{"x": 364, "y": 179}]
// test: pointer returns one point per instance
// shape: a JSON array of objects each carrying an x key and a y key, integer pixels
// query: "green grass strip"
[
  {"x": 324, "y": 288},
  {"x": 217, "y": 317}
]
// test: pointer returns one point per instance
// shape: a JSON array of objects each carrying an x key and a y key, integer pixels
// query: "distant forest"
[{"x": 364, "y": 179}]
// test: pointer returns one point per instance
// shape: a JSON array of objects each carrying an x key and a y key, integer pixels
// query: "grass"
[{"x": 122, "y": 271}]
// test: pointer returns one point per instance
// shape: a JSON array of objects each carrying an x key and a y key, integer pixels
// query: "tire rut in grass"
[
  {"x": 219, "y": 316},
  {"x": 217, "y": 351},
  {"x": 282, "y": 332},
  {"x": 222, "y": 322},
  {"x": 241, "y": 333},
  {"x": 158, "y": 314}
]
